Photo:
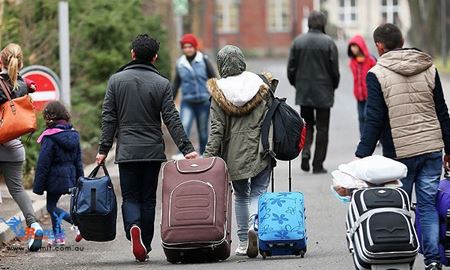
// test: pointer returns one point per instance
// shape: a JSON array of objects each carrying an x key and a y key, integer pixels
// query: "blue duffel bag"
[{"x": 93, "y": 206}]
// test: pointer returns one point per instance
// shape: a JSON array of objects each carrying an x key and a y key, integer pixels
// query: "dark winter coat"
[
  {"x": 59, "y": 164},
  {"x": 313, "y": 69},
  {"x": 135, "y": 100}
]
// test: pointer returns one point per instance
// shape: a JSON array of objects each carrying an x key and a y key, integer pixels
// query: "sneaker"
[
  {"x": 433, "y": 266},
  {"x": 242, "y": 249},
  {"x": 78, "y": 236},
  {"x": 60, "y": 241},
  {"x": 252, "y": 248},
  {"x": 138, "y": 248},
  {"x": 305, "y": 164},
  {"x": 147, "y": 258},
  {"x": 35, "y": 243},
  {"x": 178, "y": 156}
]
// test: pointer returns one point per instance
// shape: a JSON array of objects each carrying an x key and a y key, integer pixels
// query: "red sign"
[{"x": 47, "y": 85}]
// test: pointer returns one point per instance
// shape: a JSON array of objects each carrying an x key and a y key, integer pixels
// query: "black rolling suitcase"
[{"x": 380, "y": 231}]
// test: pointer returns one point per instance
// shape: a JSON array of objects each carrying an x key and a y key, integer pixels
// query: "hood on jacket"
[
  {"x": 358, "y": 40},
  {"x": 67, "y": 138},
  {"x": 230, "y": 61},
  {"x": 407, "y": 62},
  {"x": 241, "y": 94}
]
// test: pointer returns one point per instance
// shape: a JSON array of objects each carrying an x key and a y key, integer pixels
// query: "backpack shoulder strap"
[
  {"x": 265, "y": 127},
  {"x": 5, "y": 88}
]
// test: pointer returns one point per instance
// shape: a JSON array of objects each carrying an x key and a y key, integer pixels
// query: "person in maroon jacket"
[{"x": 360, "y": 63}]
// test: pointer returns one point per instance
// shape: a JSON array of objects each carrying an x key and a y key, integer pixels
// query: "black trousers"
[
  {"x": 318, "y": 119},
  {"x": 139, "y": 181}
]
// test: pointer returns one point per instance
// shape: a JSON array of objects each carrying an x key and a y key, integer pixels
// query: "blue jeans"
[
  {"x": 57, "y": 215},
  {"x": 425, "y": 172},
  {"x": 246, "y": 194},
  {"x": 361, "y": 116},
  {"x": 199, "y": 111},
  {"x": 138, "y": 182}
]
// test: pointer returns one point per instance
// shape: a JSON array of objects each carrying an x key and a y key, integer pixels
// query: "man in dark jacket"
[
  {"x": 313, "y": 69},
  {"x": 136, "y": 98}
]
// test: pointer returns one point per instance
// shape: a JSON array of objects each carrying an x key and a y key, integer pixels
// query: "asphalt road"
[{"x": 327, "y": 248}]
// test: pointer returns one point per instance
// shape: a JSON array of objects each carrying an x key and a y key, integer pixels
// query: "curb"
[{"x": 39, "y": 206}]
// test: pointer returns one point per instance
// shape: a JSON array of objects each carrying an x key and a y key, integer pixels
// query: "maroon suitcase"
[{"x": 196, "y": 210}]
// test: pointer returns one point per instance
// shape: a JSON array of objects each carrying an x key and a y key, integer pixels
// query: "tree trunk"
[{"x": 425, "y": 27}]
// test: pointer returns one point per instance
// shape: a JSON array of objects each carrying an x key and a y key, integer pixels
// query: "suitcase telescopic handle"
[{"x": 290, "y": 178}]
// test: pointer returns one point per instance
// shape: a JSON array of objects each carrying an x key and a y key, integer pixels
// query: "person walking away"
[
  {"x": 406, "y": 110},
  {"x": 59, "y": 166},
  {"x": 313, "y": 69},
  {"x": 12, "y": 153},
  {"x": 192, "y": 71},
  {"x": 240, "y": 100},
  {"x": 136, "y": 98},
  {"x": 360, "y": 63}
]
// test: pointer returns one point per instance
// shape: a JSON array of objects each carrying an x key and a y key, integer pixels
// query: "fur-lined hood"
[{"x": 239, "y": 95}]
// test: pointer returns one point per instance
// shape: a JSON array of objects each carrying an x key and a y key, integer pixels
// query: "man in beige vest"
[{"x": 406, "y": 111}]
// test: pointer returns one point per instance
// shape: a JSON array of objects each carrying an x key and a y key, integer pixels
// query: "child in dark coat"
[{"x": 59, "y": 165}]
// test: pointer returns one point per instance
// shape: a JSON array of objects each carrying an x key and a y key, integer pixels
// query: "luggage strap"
[
  {"x": 369, "y": 213},
  {"x": 265, "y": 126}
]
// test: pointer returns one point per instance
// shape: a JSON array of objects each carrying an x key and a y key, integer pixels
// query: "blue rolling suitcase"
[{"x": 281, "y": 222}]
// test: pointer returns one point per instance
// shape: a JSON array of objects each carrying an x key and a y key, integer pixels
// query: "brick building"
[{"x": 259, "y": 27}]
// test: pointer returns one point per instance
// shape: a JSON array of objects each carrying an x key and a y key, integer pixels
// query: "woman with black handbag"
[{"x": 12, "y": 153}]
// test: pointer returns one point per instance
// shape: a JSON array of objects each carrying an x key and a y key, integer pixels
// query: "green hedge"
[{"x": 101, "y": 34}]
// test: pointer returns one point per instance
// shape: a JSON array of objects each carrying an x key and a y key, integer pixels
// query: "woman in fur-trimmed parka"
[{"x": 240, "y": 100}]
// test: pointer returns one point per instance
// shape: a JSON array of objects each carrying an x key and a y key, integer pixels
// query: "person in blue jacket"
[
  {"x": 192, "y": 71},
  {"x": 59, "y": 165}
]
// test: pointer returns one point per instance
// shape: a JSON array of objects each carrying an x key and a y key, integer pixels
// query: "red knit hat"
[{"x": 189, "y": 38}]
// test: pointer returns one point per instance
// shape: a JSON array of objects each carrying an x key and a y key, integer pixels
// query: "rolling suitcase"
[
  {"x": 380, "y": 232},
  {"x": 196, "y": 210},
  {"x": 443, "y": 208},
  {"x": 281, "y": 222}
]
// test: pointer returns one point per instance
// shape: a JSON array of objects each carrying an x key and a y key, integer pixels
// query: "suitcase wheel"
[
  {"x": 300, "y": 253},
  {"x": 265, "y": 254}
]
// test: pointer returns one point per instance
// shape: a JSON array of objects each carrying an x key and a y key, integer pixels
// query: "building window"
[
  {"x": 390, "y": 11},
  {"x": 227, "y": 16},
  {"x": 279, "y": 15},
  {"x": 347, "y": 12}
]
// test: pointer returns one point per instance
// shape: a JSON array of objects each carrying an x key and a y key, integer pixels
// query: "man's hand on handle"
[
  {"x": 192, "y": 155},
  {"x": 447, "y": 163},
  {"x": 100, "y": 158}
]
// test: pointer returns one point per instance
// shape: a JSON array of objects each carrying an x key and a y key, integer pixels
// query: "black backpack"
[{"x": 288, "y": 129}]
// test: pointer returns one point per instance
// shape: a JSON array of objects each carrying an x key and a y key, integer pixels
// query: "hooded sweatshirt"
[
  {"x": 406, "y": 107},
  {"x": 59, "y": 164},
  {"x": 360, "y": 68}
]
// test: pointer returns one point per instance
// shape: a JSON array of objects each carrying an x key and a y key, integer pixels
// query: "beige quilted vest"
[{"x": 407, "y": 79}]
